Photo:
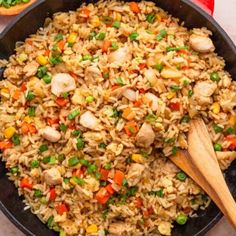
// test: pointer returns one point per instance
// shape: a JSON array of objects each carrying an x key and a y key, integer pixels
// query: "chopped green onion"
[
  {"x": 181, "y": 219},
  {"x": 116, "y": 113},
  {"x": 47, "y": 79},
  {"x": 61, "y": 157},
  {"x": 92, "y": 35},
  {"x": 16, "y": 139},
  {"x": 133, "y": 36},
  {"x": 190, "y": 93},
  {"x": 181, "y": 176},
  {"x": 89, "y": 99},
  {"x": 62, "y": 233},
  {"x": 107, "y": 20},
  {"x": 103, "y": 183},
  {"x": 73, "y": 114},
  {"x": 230, "y": 130},
  {"x": 14, "y": 170},
  {"x": 124, "y": 182},
  {"x": 73, "y": 161},
  {"x": 150, "y": 18},
  {"x": 44, "y": 200},
  {"x": 151, "y": 118},
  {"x": 31, "y": 111},
  {"x": 217, "y": 147},
  {"x": 91, "y": 169},
  {"x": 108, "y": 166},
  {"x": 30, "y": 96},
  {"x": 114, "y": 46},
  {"x": 55, "y": 60},
  {"x": 158, "y": 193},
  {"x": 50, "y": 221},
  {"x": 217, "y": 128},
  {"x": 38, "y": 193},
  {"x": 63, "y": 127},
  {"x": 106, "y": 75},
  {"x": 80, "y": 143},
  {"x": 215, "y": 76},
  {"x": 46, "y": 159},
  {"x": 65, "y": 95},
  {"x": 87, "y": 58},
  {"x": 43, "y": 148},
  {"x": 116, "y": 24},
  {"x": 101, "y": 36},
  {"x": 42, "y": 70},
  {"x": 58, "y": 37},
  {"x": 76, "y": 133},
  {"x": 161, "y": 35},
  {"x": 185, "y": 119},
  {"x": 175, "y": 88},
  {"x": 159, "y": 67},
  {"x": 34, "y": 164},
  {"x": 102, "y": 145},
  {"x": 120, "y": 81},
  {"x": 172, "y": 49},
  {"x": 78, "y": 180},
  {"x": 174, "y": 150},
  {"x": 98, "y": 175},
  {"x": 51, "y": 160},
  {"x": 84, "y": 162},
  {"x": 66, "y": 180}
]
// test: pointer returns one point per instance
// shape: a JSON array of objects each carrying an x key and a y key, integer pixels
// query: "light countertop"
[{"x": 225, "y": 15}]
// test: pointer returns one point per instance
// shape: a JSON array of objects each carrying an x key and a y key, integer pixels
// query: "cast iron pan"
[{"x": 28, "y": 22}]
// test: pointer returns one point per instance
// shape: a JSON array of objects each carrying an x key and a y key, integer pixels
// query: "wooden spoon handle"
[{"x": 203, "y": 158}]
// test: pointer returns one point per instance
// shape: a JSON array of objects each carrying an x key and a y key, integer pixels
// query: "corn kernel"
[
  {"x": 42, "y": 60},
  {"x": 232, "y": 120},
  {"x": 159, "y": 18},
  {"x": 171, "y": 95},
  {"x": 22, "y": 57},
  {"x": 9, "y": 132},
  {"x": 5, "y": 92},
  {"x": 215, "y": 107},
  {"x": 118, "y": 16},
  {"x": 72, "y": 37},
  {"x": 92, "y": 229},
  {"x": 72, "y": 181},
  {"x": 138, "y": 158},
  {"x": 28, "y": 119},
  {"x": 95, "y": 22}
]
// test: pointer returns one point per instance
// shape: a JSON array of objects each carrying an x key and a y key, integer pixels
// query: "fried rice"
[{"x": 93, "y": 104}]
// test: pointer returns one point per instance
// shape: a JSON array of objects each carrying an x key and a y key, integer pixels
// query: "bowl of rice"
[{"x": 94, "y": 103}]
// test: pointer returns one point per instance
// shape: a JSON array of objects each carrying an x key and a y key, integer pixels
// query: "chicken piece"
[
  {"x": 31, "y": 69},
  {"x": 69, "y": 227},
  {"x": 165, "y": 228},
  {"x": 203, "y": 91},
  {"x": 51, "y": 134},
  {"x": 52, "y": 176},
  {"x": 120, "y": 56},
  {"x": 91, "y": 184},
  {"x": 119, "y": 91},
  {"x": 154, "y": 100},
  {"x": 62, "y": 83},
  {"x": 150, "y": 75},
  {"x": 225, "y": 158},
  {"x": 146, "y": 136},
  {"x": 93, "y": 74},
  {"x": 169, "y": 73},
  {"x": 202, "y": 44},
  {"x": 135, "y": 173},
  {"x": 119, "y": 229},
  {"x": 130, "y": 94},
  {"x": 88, "y": 120},
  {"x": 78, "y": 98}
]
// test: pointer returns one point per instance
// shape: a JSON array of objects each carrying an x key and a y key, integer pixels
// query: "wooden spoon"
[
  {"x": 15, "y": 9},
  {"x": 200, "y": 163}
]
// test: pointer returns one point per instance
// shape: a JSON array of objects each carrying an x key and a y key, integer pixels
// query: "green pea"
[
  {"x": 181, "y": 176},
  {"x": 133, "y": 36},
  {"x": 181, "y": 219},
  {"x": 73, "y": 161},
  {"x": 214, "y": 76},
  {"x": 34, "y": 164},
  {"x": 217, "y": 147}
]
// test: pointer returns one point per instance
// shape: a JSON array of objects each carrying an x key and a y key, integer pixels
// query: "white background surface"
[{"x": 225, "y": 14}]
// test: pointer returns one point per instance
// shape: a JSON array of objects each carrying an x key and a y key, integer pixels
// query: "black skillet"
[{"x": 28, "y": 22}]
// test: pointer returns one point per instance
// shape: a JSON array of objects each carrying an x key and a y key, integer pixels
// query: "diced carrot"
[
  {"x": 61, "y": 45},
  {"x": 147, "y": 101},
  {"x": 131, "y": 128},
  {"x": 104, "y": 174},
  {"x": 29, "y": 41},
  {"x": 134, "y": 7},
  {"x": 142, "y": 66},
  {"x": 28, "y": 128},
  {"x": 118, "y": 177},
  {"x": 61, "y": 101},
  {"x": 62, "y": 208},
  {"x": 105, "y": 46},
  {"x": 5, "y": 145},
  {"x": 102, "y": 196},
  {"x": 16, "y": 94},
  {"x": 47, "y": 53},
  {"x": 25, "y": 183},
  {"x": 232, "y": 140},
  {"x": 128, "y": 114},
  {"x": 52, "y": 121},
  {"x": 137, "y": 103},
  {"x": 79, "y": 172},
  {"x": 110, "y": 189},
  {"x": 138, "y": 202},
  {"x": 184, "y": 68},
  {"x": 175, "y": 106},
  {"x": 71, "y": 125},
  {"x": 75, "y": 76},
  {"x": 53, "y": 194},
  {"x": 23, "y": 87},
  {"x": 114, "y": 87},
  {"x": 182, "y": 51},
  {"x": 142, "y": 90},
  {"x": 86, "y": 12}
]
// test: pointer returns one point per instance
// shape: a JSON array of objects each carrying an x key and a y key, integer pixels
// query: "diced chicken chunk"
[
  {"x": 150, "y": 75},
  {"x": 31, "y": 69},
  {"x": 88, "y": 120},
  {"x": 52, "y": 176},
  {"x": 120, "y": 56},
  {"x": 202, "y": 44},
  {"x": 154, "y": 100},
  {"x": 119, "y": 229},
  {"x": 165, "y": 228},
  {"x": 62, "y": 83},
  {"x": 203, "y": 91},
  {"x": 51, "y": 134},
  {"x": 91, "y": 184},
  {"x": 146, "y": 136},
  {"x": 70, "y": 227},
  {"x": 134, "y": 174},
  {"x": 93, "y": 74},
  {"x": 119, "y": 91},
  {"x": 130, "y": 94}
]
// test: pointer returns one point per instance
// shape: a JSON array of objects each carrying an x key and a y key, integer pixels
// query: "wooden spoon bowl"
[{"x": 15, "y": 9}]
